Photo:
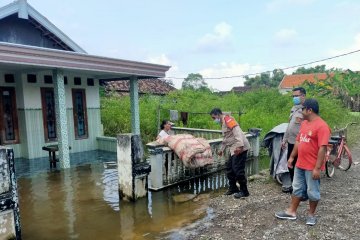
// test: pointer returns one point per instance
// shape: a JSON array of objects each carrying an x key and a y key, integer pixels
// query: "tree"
[
  {"x": 277, "y": 77},
  {"x": 169, "y": 82},
  {"x": 267, "y": 79},
  {"x": 194, "y": 81},
  {"x": 316, "y": 69},
  {"x": 258, "y": 81}
]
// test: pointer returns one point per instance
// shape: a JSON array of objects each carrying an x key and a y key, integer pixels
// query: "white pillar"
[
  {"x": 124, "y": 166},
  {"x": 156, "y": 181},
  {"x": 61, "y": 118},
  {"x": 134, "y": 100},
  {"x": 132, "y": 171}
]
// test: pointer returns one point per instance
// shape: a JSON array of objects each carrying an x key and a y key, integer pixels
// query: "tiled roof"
[
  {"x": 152, "y": 86},
  {"x": 290, "y": 81}
]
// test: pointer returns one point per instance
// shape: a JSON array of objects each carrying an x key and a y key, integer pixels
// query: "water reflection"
[{"x": 83, "y": 203}]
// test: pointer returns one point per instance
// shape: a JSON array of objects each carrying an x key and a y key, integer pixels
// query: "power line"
[{"x": 269, "y": 71}]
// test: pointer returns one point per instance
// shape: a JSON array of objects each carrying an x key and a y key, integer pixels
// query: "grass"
[
  {"x": 353, "y": 135},
  {"x": 264, "y": 159}
]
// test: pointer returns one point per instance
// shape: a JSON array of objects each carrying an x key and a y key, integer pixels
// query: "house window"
[
  {"x": 9, "y": 78},
  {"x": 49, "y": 115},
  {"x": 8, "y": 113},
  {"x": 31, "y": 78},
  {"x": 65, "y": 80},
  {"x": 77, "y": 81},
  {"x": 90, "y": 82},
  {"x": 48, "y": 79},
  {"x": 80, "y": 114}
]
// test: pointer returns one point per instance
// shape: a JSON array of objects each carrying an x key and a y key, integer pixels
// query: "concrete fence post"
[
  {"x": 9, "y": 205},
  {"x": 132, "y": 170},
  {"x": 156, "y": 161},
  {"x": 255, "y": 132}
]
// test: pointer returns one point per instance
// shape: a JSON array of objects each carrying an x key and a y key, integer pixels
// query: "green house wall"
[{"x": 30, "y": 116}]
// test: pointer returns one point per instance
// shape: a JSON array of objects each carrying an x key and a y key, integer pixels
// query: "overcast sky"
[{"x": 211, "y": 37}]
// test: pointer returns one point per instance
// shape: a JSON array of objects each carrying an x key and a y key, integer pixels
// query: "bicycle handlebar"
[
  {"x": 350, "y": 123},
  {"x": 346, "y": 126}
]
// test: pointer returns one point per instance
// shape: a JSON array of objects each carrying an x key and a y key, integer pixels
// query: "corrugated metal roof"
[{"x": 14, "y": 55}]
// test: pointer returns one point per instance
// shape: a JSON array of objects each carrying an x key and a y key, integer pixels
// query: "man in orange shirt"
[{"x": 310, "y": 147}]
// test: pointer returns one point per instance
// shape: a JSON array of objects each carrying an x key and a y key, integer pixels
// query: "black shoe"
[
  {"x": 287, "y": 189},
  {"x": 231, "y": 191},
  {"x": 241, "y": 194}
]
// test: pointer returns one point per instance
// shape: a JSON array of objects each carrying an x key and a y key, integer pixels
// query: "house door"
[{"x": 9, "y": 130}]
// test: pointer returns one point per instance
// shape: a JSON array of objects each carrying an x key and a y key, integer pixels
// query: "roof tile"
[
  {"x": 290, "y": 81},
  {"x": 152, "y": 86}
]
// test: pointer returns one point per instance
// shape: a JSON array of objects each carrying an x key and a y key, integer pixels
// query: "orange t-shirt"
[{"x": 311, "y": 137}]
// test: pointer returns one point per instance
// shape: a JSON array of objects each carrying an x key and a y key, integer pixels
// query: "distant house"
[
  {"x": 49, "y": 86},
  {"x": 291, "y": 81},
  {"x": 146, "y": 86},
  {"x": 239, "y": 89}
]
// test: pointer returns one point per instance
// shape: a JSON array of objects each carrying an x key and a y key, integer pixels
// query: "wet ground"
[
  {"x": 253, "y": 218},
  {"x": 83, "y": 202}
]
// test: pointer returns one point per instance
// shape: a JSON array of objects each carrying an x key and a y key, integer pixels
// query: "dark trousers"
[
  {"x": 291, "y": 170},
  {"x": 235, "y": 171}
]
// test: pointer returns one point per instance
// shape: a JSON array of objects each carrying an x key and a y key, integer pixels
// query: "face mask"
[
  {"x": 296, "y": 100},
  {"x": 217, "y": 120}
]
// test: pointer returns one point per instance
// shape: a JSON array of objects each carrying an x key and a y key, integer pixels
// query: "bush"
[{"x": 263, "y": 108}]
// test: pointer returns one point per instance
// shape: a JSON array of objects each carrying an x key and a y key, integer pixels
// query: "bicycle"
[{"x": 338, "y": 154}]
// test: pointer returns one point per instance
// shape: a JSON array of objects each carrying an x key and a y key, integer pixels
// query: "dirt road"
[{"x": 253, "y": 218}]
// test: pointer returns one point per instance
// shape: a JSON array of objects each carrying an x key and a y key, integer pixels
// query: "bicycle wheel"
[
  {"x": 345, "y": 159},
  {"x": 278, "y": 178},
  {"x": 329, "y": 166}
]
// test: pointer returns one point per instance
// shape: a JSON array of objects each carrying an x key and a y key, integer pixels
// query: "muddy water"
[{"x": 83, "y": 203}]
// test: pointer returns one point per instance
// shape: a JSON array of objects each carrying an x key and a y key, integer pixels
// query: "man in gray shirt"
[
  {"x": 238, "y": 145},
  {"x": 295, "y": 119}
]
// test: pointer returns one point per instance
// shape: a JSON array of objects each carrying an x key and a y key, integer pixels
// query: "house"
[
  {"x": 241, "y": 89},
  {"x": 146, "y": 86},
  {"x": 238, "y": 89},
  {"x": 49, "y": 86},
  {"x": 291, "y": 81}
]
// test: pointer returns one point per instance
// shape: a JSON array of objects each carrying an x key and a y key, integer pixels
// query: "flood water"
[{"x": 83, "y": 203}]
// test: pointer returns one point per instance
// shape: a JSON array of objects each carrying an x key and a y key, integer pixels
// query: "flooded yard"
[{"x": 83, "y": 203}]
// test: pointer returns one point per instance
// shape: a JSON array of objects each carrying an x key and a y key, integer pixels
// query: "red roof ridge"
[{"x": 291, "y": 81}]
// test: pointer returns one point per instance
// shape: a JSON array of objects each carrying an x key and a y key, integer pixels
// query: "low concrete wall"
[
  {"x": 197, "y": 132},
  {"x": 106, "y": 143}
]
